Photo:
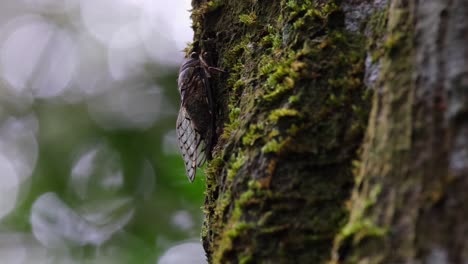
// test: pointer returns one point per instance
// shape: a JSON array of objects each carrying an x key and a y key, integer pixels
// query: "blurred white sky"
[
  {"x": 105, "y": 53},
  {"x": 49, "y": 47}
]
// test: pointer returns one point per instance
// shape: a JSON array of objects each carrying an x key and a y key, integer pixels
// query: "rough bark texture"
[
  {"x": 292, "y": 111},
  {"x": 409, "y": 204}
]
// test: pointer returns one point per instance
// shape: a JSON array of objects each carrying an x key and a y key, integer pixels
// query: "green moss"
[
  {"x": 373, "y": 195},
  {"x": 236, "y": 164},
  {"x": 254, "y": 133},
  {"x": 273, "y": 39},
  {"x": 233, "y": 55},
  {"x": 293, "y": 99},
  {"x": 272, "y": 146},
  {"x": 293, "y": 130},
  {"x": 248, "y": 19},
  {"x": 246, "y": 259},
  {"x": 233, "y": 123},
  {"x": 361, "y": 229},
  {"x": 277, "y": 41},
  {"x": 214, "y": 4},
  {"x": 214, "y": 165},
  {"x": 299, "y": 24},
  {"x": 311, "y": 11},
  {"x": 360, "y": 226},
  {"x": 238, "y": 228},
  {"x": 294, "y": 5},
  {"x": 267, "y": 68},
  {"x": 265, "y": 218},
  {"x": 189, "y": 49},
  {"x": 274, "y": 229},
  {"x": 277, "y": 93},
  {"x": 276, "y": 114},
  {"x": 393, "y": 41},
  {"x": 366, "y": 223},
  {"x": 282, "y": 76},
  {"x": 234, "y": 114},
  {"x": 376, "y": 25},
  {"x": 254, "y": 185},
  {"x": 281, "y": 72},
  {"x": 273, "y": 134},
  {"x": 201, "y": 11},
  {"x": 238, "y": 85},
  {"x": 227, "y": 243}
]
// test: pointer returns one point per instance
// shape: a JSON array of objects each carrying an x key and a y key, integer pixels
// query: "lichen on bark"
[
  {"x": 291, "y": 114},
  {"x": 407, "y": 204}
]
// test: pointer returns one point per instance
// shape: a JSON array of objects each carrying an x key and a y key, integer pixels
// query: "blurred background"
[{"x": 89, "y": 167}]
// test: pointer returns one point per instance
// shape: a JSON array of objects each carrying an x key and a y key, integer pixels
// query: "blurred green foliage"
[{"x": 66, "y": 130}]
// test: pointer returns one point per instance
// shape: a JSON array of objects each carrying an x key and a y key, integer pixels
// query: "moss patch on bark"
[{"x": 292, "y": 111}]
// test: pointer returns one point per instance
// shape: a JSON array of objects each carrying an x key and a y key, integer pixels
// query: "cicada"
[{"x": 195, "y": 127}]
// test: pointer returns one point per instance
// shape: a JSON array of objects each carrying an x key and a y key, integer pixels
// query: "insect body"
[{"x": 195, "y": 122}]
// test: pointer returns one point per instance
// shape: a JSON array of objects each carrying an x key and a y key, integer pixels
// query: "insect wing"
[
  {"x": 187, "y": 76},
  {"x": 191, "y": 145}
]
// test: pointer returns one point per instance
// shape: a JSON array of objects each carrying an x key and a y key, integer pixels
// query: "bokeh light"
[
  {"x": 34, "y": 68},
  {"x": 185, "y": 253},
  {"x": 89, "y": 165},
  {"x": 9, "y": 187}
]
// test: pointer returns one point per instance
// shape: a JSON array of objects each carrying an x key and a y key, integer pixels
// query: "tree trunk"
[
  {"x": 292, "y": 111},
  {"x": 409, "y": 204}
]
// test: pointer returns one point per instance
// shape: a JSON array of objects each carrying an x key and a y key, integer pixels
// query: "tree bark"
[
  {"x": 409, "y": 204},
  {"x": 292, "y": 111}
]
